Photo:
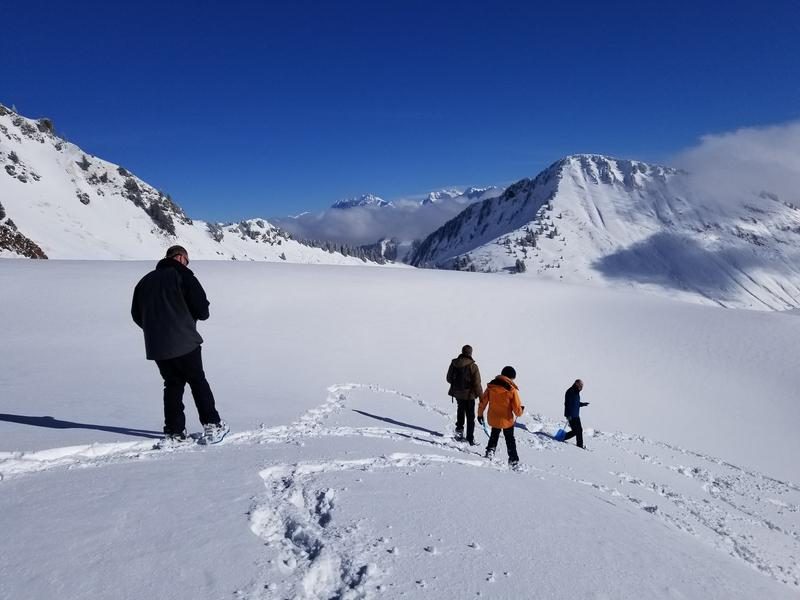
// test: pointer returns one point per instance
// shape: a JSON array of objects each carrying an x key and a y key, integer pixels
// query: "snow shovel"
[{"x": 561, "y": 433}]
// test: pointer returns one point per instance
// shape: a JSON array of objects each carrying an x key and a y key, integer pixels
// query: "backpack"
[{"x": 462, "y": 378}]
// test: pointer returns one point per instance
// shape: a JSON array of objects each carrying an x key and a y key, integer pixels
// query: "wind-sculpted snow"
[{"x": 320, "y": 544}]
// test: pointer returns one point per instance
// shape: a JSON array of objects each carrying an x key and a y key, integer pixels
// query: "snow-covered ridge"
[
  {"x": 57, "y": 201},
  {"x": 471, "y": 194},
  {"x": 363, "y": 200},
  {"x": 588, "y": 217}
]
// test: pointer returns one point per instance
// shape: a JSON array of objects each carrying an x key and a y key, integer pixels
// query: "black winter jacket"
[{"x": 167, "y": 303}]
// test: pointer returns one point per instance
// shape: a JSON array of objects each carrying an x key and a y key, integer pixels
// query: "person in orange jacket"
[{"x": 502, "y": 397}]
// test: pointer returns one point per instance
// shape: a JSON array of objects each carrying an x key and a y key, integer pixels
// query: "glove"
[
  {"x": 480, "y": 420},
  {"x": 522, "y": 407},
  {"x": 584, "y": 404}
]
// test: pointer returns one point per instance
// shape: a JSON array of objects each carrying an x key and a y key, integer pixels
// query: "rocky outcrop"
[{"x": 14, "y": 241}]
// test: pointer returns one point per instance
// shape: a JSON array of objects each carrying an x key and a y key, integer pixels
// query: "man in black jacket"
[
  {"x": 167, "y": 303},
  {"x": 464, "y": 378}
]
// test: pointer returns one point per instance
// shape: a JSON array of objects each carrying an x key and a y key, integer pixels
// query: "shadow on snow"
[
  {"x": 400, "y": 423},
  {"x": 53, "y": 423}
]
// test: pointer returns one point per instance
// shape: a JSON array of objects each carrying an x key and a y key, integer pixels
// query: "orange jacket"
[{"x": 502, "y": 396}]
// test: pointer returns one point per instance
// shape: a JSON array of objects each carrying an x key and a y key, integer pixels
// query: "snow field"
[{"x": 356, "y": 490}]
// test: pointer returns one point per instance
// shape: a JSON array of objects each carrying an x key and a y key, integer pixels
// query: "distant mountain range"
[
  {"x": 362, "y": 220},
  {"x": 586, "y": 218},
  {"x": 365, "y": 200}
]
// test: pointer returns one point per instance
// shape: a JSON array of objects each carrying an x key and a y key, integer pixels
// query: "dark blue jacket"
[{"x": 572, "y": 403}]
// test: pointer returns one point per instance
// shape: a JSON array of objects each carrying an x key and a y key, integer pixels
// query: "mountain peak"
[
  {"x": 434, "y": 197},
  {"x": 598, "y": 168},
  {"x": 363, "y": 200}
]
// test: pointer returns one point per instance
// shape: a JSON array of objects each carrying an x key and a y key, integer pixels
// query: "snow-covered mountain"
[
  {"x": 57, "y": 201},
  {"x": 363, "y": 200},
  {"x": 440, "y": 195},
  {"x": 589, "y": 217},
  {"x": 471, "y": 194}
]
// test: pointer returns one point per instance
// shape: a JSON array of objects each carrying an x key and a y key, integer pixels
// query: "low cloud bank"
[
  {"x": 736, "y": 165},
  {"x": 405, "y": 220}
]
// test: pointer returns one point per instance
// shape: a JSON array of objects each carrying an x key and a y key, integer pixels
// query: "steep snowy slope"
[
  {"x": 589, "y": 217},
  {"x": 56, "y": 201}
]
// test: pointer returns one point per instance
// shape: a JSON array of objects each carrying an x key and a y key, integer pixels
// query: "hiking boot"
[
  {"x": 213, "y": 433},
  {"x": 513, "y": 465},
  {"x": 472, "y": 443},
  {"x": 489, "y": 453},
  {"x": 459, "y": 434}
]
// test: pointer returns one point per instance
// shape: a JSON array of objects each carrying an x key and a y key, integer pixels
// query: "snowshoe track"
[{"x": 746, "y": 514}]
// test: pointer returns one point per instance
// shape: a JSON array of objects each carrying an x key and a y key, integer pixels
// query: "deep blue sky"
[{"x": 241, "y": 109}]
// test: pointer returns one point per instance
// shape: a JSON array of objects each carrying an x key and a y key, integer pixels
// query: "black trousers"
[
  {"x": 511, "y": 443},
  {"x": 466, "y": 411},
  {"x": 177, "y": 372},
  {"x": 576, "y": 430}
]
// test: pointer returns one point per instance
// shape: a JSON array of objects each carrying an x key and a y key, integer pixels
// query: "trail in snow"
[{"x": 745, "y": 514}]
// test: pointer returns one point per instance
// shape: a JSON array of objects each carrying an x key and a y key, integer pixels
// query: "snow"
[{"x": 340, "y": 478}]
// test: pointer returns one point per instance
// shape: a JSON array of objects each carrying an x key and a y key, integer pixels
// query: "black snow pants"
[
  {"x": 576, "y": 430},
  {"x": 177, "y": 372},
  {"x": 466, "y": 411},
  {"x": 511, "y": 444}
]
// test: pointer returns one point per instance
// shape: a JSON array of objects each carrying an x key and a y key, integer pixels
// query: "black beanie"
[{"x": 509, "y": 372}]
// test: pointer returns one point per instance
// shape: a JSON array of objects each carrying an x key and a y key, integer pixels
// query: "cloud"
[
  {"x": 406, "y": 220},
  {"x": 732, "y": 166}
]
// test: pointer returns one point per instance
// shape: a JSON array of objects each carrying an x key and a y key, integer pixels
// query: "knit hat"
[
  {"x": 509, "y": 372},
  {"x": 466, "y": 350},
  {"x": 174, "y": 251}
]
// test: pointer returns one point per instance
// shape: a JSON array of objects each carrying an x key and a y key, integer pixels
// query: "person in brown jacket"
[
  {"x": 464, "y": 378},
  {"x": 502, "y": 397}
]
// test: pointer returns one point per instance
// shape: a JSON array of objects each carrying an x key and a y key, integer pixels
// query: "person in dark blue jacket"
[{"x": 572, "y": 411}]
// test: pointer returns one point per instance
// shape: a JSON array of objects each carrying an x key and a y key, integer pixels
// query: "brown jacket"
[
  {"x": 464, "y": 388},
  {"x": 502, "y": 396}
]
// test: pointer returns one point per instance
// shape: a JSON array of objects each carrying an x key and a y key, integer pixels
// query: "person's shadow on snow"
[
  {"x": 400, "y": 423},
  {"x": 539, "y": 432},
  {"x": 53, "y": 423}
]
